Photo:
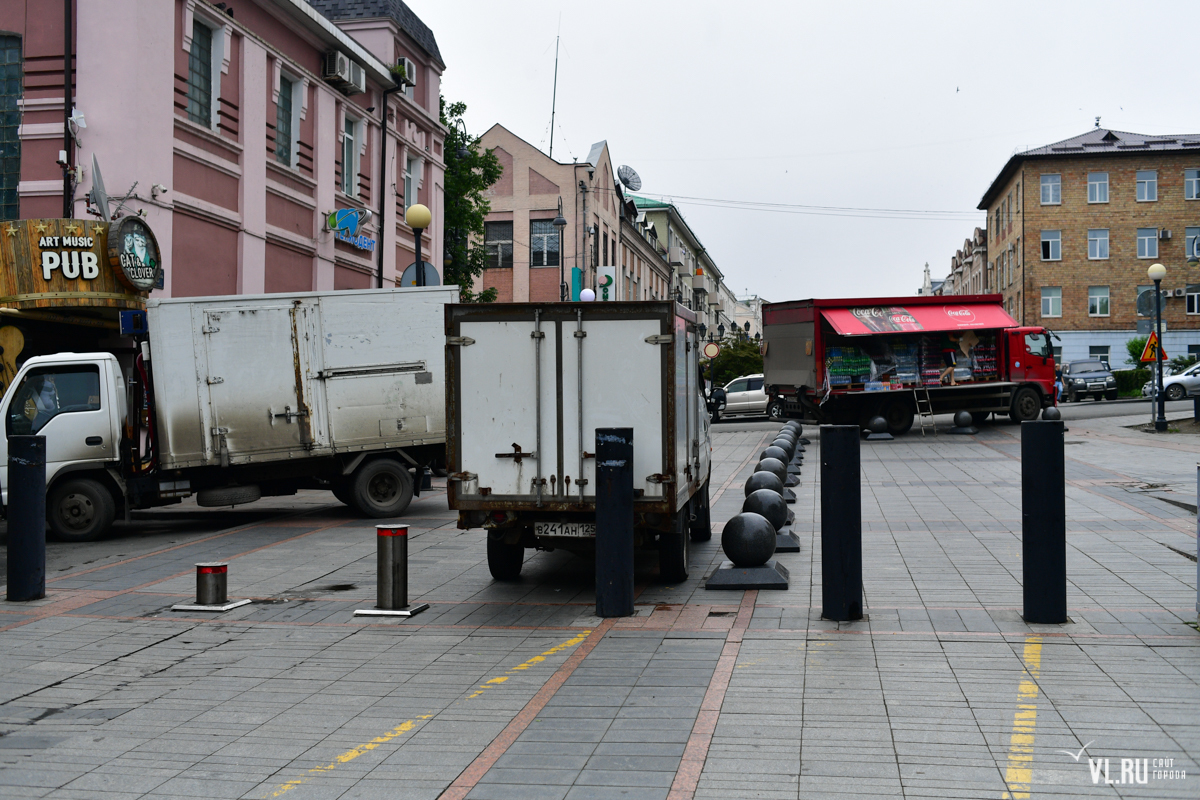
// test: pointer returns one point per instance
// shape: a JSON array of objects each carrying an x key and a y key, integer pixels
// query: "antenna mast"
[{"x": 554, "y": 98}]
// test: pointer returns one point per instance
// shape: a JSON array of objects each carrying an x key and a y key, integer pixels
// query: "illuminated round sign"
[
  {"x": 712, "y": 350},
  {"x": 133, "y": 253}
]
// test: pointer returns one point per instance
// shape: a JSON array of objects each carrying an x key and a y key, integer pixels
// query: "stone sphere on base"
[
  {"x": 763, "y": 480},
  {"x": 962, "y": 419},
  {"x": 768, "y": 504},
  {"x": 774, "y": 452},
  {"x": 773, "y": 466},
  {"x": 787, "y": 445},
  {"x": 877, "y": 425},
  {"x": 748, "y": 539},
  {"x": 1051, "y": 413}
]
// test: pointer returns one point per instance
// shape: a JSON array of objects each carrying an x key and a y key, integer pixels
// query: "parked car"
[
  {"x": 1091, "y": 377},
  {"x": 1176, "y": 387},
  {"x": 743, "y": 397}
]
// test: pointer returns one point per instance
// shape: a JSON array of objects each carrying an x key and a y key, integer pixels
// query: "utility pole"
[
  {"x": 68, "y": 101},
  {"x": 554, "y": 97}
]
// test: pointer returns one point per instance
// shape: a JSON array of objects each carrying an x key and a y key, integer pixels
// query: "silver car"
[
  {"x": 1177, "y": 387},
  {"x": 743, "y": 396}
]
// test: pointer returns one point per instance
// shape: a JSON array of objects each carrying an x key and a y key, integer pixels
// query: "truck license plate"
[{"x": 575, "y": 529}]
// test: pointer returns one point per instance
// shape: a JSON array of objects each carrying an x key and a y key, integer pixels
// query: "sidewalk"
[{"x": 517, "y": 691}]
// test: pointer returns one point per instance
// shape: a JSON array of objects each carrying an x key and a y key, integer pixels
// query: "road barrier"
[
  {"x": 614, "y": 522},
  {"x": 212, "y": 589},
  {"x": 1043, "y": 522},
  {"x": 841, "y": 523},
  {"x": 391, "y": 578},
  {"x": 26, "y": 518}
]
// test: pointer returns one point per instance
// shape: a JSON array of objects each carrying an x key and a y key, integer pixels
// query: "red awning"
[{"x": 865, "y": 320}]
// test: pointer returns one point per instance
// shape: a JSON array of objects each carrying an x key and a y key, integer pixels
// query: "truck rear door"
[{"x": 258, "y": 379}]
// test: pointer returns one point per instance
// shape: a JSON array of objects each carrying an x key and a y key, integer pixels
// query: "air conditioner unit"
[
  {"x": 347, "y": 76},
  {"x": 1180, "y": 292},
  {"x": 1164, "y": 234},
  {"x": 409, "y": 76}
]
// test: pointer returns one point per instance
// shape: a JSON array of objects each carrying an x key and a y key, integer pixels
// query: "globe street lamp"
[
  {"x": 1156, "y": 273},
  {"x": 559, "y": 223},
  {"x": 418, "y": 218}
]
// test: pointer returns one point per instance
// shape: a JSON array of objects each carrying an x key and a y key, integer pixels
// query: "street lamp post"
[
  {"x": 1156, "y": 273},
  {"x": 418, "y": 218},
  {"x": 559, "y": 223}
]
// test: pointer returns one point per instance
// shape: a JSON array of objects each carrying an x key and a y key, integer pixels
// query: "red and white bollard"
[
  {"x": 212, "y": 582},
  {"x": 391, "y": 593}
]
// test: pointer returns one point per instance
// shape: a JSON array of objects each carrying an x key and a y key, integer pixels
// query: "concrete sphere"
[
  {"x": 763, "y": 480},
  {"x": 877, "y": 425},
  {"x": 962, "y": 419},
  {"x": 774, "y": 466},
  {"x": 795, "y": 425},
  {"x": 787, "y": 433},
  {"x": 748, "y": 539},
  {"x": 787, "y": 445},
  {"x": 1051, "y": 413},
  {"x": 770, "y": 505},
  {"x": 774, "y": 452}
]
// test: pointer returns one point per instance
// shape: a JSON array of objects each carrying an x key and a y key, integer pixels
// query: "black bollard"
[
  {"x": 1043, "y": 522},
  {"x": 26, "y": 518},
  {"x": 614, "y": 522},
  {"x": 841, "y": 524},
  {"x": 391, "y": 567}
]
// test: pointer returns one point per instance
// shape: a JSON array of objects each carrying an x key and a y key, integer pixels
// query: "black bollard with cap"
[
  {"x": 841, "y": 524},
  {"x": 614, "y": 522},
  {"x": 1043, "y": 522},
  {"x": 26, "y": 518}
]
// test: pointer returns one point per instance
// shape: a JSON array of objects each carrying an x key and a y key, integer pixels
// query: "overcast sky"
[{"x": 913, "y": 106}]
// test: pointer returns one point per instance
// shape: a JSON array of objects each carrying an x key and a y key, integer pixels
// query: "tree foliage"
[
  {"x": 466, "y": 205},
  {"x": 1135, "y": 346},
  {"x": 739, "y": 356}
]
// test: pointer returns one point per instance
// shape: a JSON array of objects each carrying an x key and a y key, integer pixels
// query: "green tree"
[
  {"x": 739, "y": 356},
  {"x": 467, "y": 178},
  {"x": 1181, "y": 362},
  {"x": 1135, "y": 346}
]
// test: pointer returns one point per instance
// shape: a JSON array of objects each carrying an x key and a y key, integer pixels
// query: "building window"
[
  {"x": 498, "y": 240},
  {"x": 1098, "y": 243},
  {"x": 1191, "y": 184},
  {"x": 200, "y": 75},
  {"x": 11, "y": 81},
  {"x": 350, "y": 157},
  {"x": 1147, "y": 240},
  {"x": 1193, "y": 298},
  {"x": 1147, "y": 185},
  {"x": 1191, "y": 242},
  {"x": 1097, "y": 301},
  {"x": 543, "y": 243},
  {"x": 1051, "y": 245},
  {"x": 1100, "y": 351},
  {"x": 1097, "y": 187},
  {"x": 1051, "y": 190},
  {"x": 411, "y": 182},
  {"x": 1051, "y": 301},
  {"x": 284, "y": 141}
]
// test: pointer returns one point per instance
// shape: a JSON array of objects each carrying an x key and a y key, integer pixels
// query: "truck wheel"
[
  {"x": 1175, "y": 391},
  {"x": 980, "y": 417},
  {"x": 775, "y": 410},
  {"x": 899, "y": 416},
  {"x": 673, "y": 550},
  {"x": 701, "y": 526},
  {"x": 79, "y": 510},
  {"x": 381, "y": 488},
  {"x": 1026, "y": 405},
  {"x": 504, "y": 560}
]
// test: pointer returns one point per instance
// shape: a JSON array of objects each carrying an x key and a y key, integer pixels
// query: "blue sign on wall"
[{"x": 345, "y": 224}]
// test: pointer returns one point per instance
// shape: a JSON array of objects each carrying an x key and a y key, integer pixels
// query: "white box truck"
[
  {"x": 530, "y": 383},
  {"x": 233, "y": 398}
]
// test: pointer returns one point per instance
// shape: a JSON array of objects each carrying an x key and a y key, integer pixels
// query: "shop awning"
[{"x": 863, "y": 320}]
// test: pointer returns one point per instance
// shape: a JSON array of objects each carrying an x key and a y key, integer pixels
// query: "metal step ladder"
[{"x": 924, "y": 408}]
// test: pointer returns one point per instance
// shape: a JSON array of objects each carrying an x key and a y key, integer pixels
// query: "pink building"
[{"x": 244, "y": 124}]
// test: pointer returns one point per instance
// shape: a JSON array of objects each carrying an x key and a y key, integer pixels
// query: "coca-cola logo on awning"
[{"x": 960, "y": 314}]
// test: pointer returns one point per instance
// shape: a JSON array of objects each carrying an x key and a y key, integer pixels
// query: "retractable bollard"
[
  {"x": 391, "y": 588},
  {"x": 26, "y": 518},
  {"x": 841, "y": 524},
  {"x": 614, "y": 522},
  {"x": 1043, "y": 522},
  {"x": 212, "y": 589}
]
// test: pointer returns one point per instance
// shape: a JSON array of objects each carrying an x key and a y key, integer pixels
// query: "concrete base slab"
[
  {"x": 789, "y": 496},
  {"x": 415, "y": 608},
  {"x": 786, "y": 542},
  {"x": 771, "y": 575},
  {"x": 879, "y": 437},
  {"x": 792, "y": 481},
  {"x": 214, "y": 609},
  {"x": 969, "y": 430}
]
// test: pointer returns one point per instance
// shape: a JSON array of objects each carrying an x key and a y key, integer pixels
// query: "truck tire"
[
  {"x": 673, "y": 550},
  {"x": 504, "y": 560},
  {"x": 228, "y": 496},
  {"x": 79, "y": 510},
  {"x": 899, "y": 416},
  {"x": 381, "y": 488},
  {"x": 1175, "y": 391},
  {"x": 1026, "y": 405},
  {"x": 775, "y": 410},
  {"x": 701, "y": 525},
  {"x": 979, "y": 417}
]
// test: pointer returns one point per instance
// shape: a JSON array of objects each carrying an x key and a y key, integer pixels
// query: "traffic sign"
[
  {"x": 712, "y": 350},
  {"x": 1152, "y": 352}
]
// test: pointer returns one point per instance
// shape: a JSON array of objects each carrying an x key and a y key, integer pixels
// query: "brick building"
[
  {"x": 1073, "y": 226},
  {"x": 969, "y": 267}
]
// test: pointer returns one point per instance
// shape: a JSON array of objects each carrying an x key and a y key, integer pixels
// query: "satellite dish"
[
  {"x": 99, "y": 196},
  {"x": 409, "y": 278},
  {"x": 629, "y": 177}
]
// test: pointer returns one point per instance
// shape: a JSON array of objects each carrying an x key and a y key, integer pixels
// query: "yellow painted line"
[
  {"x": 409, "y": 725},
  {"x": 1019, "y": 774}
]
